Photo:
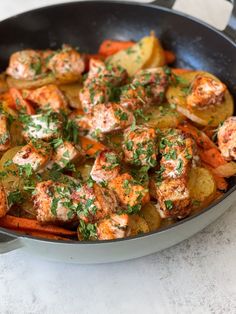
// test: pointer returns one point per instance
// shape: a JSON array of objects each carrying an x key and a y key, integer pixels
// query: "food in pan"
[{"x": 110, "y": 145}]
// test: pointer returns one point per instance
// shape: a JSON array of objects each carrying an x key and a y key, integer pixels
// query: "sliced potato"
[
  {"x": 202, "y": 186},
  {"x": 158, "y": 56},
  {"x": 163, "y": 116},
  {"x": 71, "y": 92},
  {"x": 16, "y": 133},
  {"x": 85, "y": 169},
  {"x": 21, "y": 84},
  {"x": 10, "y": 181},
  {"x": 137, "y": 225},
  {"x": 213, "y": 116},
  {"x": 150, "y": 214},
  {"x": 139, "y": 56}
]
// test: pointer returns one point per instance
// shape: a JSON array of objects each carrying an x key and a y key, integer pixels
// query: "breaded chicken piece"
[
  {"x": 95, "y": 202},
  {"x": 106, "y": 166},
  {"x": 204, "y": 92},
  {"x": 114, "y": 227},
  {"x": 227, "y": 138},
  {"x": 139, "y": 146},
  {"x": 110, "y": 117},
  {"x": 36, "y": 154},
  {"x": 66, "y": 64},
  {"x": 5, "y": 139},
  {"x": 47, "y": 97},
  {"x": 3, "y": 202},
  {"x": 148, "y": 88},
  {"x": 130, "y": 194},
  {"x": 42, "y": 126},
  {"x": 53, "y": 203},
  {"x": 65, "y": 153},
  {"x": 26, "y": 65}
]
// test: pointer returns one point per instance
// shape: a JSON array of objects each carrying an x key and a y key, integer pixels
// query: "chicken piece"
[
  {"x": 205, "y": 92},
  {"x": 66, "y": 64},
  {"x": 109, "y": 74},
  {"x": 41, "y": 126},
  {"x": 106, "y": 166},
  {"x": 131, "y": 194},
  {"x": 36, "y": 154},
  {"x": 114, "y": 227},
  {"x": 65, "y": 153},
  {"x": 170, "y": 185},
  {"x": 53, "y": 203},
  {"x": 173, "y": 196},
  {"x": 95, "y": 202},
  {"x": 47, "y": 97},
  {"x": 227, "y": 138},
  {"x": 100, "y": 83},
  {"x": 178, "y": 152},
  {"x": 26, "y": 65},
  {"x": 135, "y": 97},
  {"x": 94, "y": 94},
  {"x": 3, "y": 202},
  {"x": 110, "y": 117},
  {"x": 139, "y": 146},
  {"x": 5, "y": 139},
  {"x": 147, "y": 88}
]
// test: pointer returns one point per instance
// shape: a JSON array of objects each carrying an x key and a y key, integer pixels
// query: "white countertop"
[{"x": 196, "y": 276}]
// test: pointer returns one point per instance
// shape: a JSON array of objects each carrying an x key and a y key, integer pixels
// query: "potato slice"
[
  {"x": 164, "y": 116},
  {"x": 137, "y": 225},
  {"x": 212, "y": 116},
  {"x": 202, "y": 187},
  {"x": 48, "y": 79},
  {"x": 21, "y": 84},
  {"x": 10, "y": 180},
  {"x": 158, "y": 56},
  {"x": 150, "y": 214},
  {"x": 139, "y": 56},
  {"x": 71, "y": 92}
]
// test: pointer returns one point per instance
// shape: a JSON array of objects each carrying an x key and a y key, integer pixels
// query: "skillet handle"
[
  {"x": 9, "y": 243},
  {"x": 230, "y": 29}
]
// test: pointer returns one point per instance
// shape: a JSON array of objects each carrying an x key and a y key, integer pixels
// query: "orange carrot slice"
[
  {"x": 169, "y": 56},
  {"x": 110, "y": 47},
  {"x": 91, "y": 147},
  {"x": 19, "y": 223}
]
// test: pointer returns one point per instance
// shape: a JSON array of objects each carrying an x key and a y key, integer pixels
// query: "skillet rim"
[{"x": 15, "y": 234}]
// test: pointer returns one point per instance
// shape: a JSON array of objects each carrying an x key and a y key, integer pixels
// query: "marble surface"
[{"x": 196, "y": 276}]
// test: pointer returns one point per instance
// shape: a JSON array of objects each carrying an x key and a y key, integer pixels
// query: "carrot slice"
[
  {"x": 178, "y": 71},
  {"x": 42, "y": 235},
  {"x": 169, "y": 56},
  {"x": 20, "y": 102},
  {"x": 209, "y": 152},
  {"x": 110, "y": 47},
  {"x": 91, "y": 147},
  {"x": 200, "y": 137},
  {"x": 19, "y": 223},
  {"x": 212, "y": 157}
]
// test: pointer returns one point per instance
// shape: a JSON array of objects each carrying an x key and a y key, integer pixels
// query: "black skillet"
[{"x": 86, "y": 24}]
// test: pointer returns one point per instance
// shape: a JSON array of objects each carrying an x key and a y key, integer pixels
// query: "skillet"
[{"x": 196, "y": 44}]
